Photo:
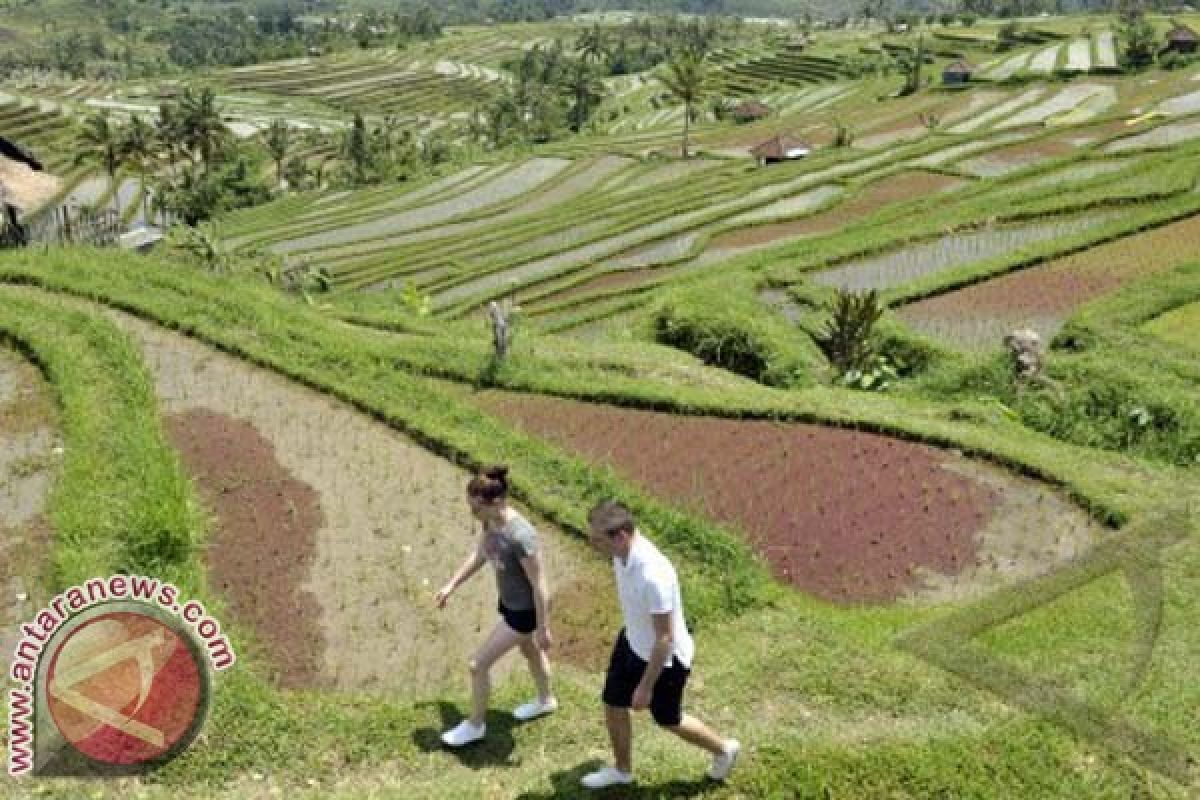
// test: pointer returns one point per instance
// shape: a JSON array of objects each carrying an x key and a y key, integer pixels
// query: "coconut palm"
[
  {"x": 593, "y": 44},
  {"x": 200, "y": 123},
  {"x": 587, "y": 92},
  {"x": 138, "y": 145},
  {"x": 687, "y": 79},
  {"x": 168, "y": 134},
  {"x": 100, "y": 143},
  {"x": 278, "y": 140}
]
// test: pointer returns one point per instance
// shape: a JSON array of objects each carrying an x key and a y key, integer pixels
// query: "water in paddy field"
[{"x": 902, "y": 266}]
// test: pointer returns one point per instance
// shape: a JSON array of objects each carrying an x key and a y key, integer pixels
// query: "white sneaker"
[
  {"x": 535, "y": 709},
  {"x": 605, "y": 777},
  {"x": 464, "y": 733},
  {"x": 723, "y": 762}
]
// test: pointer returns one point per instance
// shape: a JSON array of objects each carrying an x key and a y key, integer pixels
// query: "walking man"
[{"x": 652, "y": 658}]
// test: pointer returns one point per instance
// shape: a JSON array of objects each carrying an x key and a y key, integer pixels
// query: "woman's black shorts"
[
  {"x": 625, "y": 672},
  {"x": 519, "y": 621}
]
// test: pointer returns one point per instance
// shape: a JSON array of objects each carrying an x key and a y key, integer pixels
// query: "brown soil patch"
[
  {"x": 609, "y": 281},
  {"x": 847, "y": 516},
  {"x": 1027, "y": 151},
  {"x": 395, "y": 526},
  {"x": 898, "y": 188},
  {"x": 28, "y": 467},
  {"x": 264, "y": 541}
]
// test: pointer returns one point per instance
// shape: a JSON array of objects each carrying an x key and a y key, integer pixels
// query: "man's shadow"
[
  {"x": 566, "y": 783},
  {"x": 494, "y": 750}
]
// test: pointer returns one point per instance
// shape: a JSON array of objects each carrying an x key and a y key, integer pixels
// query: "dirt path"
[
  {"x": 29, "y": 455},
  {"x": 334, "y": 530}
]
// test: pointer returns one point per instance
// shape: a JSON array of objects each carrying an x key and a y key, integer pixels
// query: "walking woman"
[{"x": 509, "y": 542}]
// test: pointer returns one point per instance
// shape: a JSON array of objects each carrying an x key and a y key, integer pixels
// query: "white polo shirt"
[{"x": 647, "y": 584}]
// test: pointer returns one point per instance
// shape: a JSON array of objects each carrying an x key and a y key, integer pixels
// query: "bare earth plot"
[
  {"x": 375, "y": 523},
  {"x": 847, "y": 516}
]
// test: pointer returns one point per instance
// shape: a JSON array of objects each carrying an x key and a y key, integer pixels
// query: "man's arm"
[{"x": 663, "y": 648}]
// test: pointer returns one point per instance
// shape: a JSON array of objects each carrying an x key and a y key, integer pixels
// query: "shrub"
[
  {"x": 725, "y": 325},
  {"x": 847, "y": 339}
]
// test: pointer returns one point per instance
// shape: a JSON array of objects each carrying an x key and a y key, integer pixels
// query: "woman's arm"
[
  {"x": 537, "y": 578},
  {"x": 468, "y": 568}
]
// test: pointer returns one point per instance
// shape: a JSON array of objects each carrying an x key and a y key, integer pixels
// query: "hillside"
[{"x": 900, "y": 373}]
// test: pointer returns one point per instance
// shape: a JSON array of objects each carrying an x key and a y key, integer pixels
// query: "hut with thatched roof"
[
  {"x": 781, "y": 147},
  {"x": 1182, "y": 39},
  {"x": 957, "y": 73}
]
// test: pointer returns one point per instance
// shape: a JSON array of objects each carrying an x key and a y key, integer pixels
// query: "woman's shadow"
[{"x": 494, "y": 750}]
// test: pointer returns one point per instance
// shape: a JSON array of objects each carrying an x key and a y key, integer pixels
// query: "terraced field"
[
  {"x": 937, "y": 579},
  {"x": 1043, "y": 297},
  {"x": 377, "y": 86},
  {"x": 791, "y": 65}
]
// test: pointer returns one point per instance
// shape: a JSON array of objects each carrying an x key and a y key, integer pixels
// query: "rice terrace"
[{"x": 882, "y": 320}]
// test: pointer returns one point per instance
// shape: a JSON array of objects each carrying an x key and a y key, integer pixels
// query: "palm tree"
[
  {"x": 101, "y": 144},
  {"x": 593, "y": 45},
  {"x": 278, "y": 139},
  {"x": 138, "y": 145},
  {"x": 586, "y": 94},
  {"x": 687, "y": 78},
  {"x": 203, "y": 131},
  {"x": 168, "y": 134}
]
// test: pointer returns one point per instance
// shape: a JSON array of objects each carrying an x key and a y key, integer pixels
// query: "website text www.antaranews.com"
[{"x": 97, "y": 591}]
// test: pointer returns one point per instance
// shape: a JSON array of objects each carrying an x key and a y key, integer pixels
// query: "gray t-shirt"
[{"x": 504, "y": 549}]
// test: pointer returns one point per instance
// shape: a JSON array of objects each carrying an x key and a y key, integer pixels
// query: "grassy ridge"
[{"x": 123, "y": 503}]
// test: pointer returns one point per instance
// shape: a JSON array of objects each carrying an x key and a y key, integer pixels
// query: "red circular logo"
[{"x": 124, "y": 688}]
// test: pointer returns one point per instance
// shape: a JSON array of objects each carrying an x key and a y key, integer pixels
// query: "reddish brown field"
[
  {"x": 905, "y": 186},
  {"x": 264, "y": 541},
  {"x": 1050, "y": 293},
  {"x": 625, "y": 279},
  {"x": 847, "y": 516}
]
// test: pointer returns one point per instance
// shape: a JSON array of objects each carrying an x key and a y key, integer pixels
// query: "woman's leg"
[
  {"x": 539, "y": 666},
  {"x": 501, "y": 640}
]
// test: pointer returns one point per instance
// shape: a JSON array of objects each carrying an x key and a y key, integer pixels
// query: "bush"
[
  {"x": 726, "y": 326},
  {"x": 1175, "y": 60}
]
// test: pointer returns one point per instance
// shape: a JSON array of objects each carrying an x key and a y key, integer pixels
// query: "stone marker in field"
[
  {"x": 1025, "y": 348},
  {"x": 501, "y": 316}
]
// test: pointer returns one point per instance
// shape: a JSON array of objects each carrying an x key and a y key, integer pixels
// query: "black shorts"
[
  {"x": 625, "y": 670},
  {"x": 519, "y": 621}
]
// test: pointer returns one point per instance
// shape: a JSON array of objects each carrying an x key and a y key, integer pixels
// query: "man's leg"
[
  {"x": 695, "y": 732},
  {"x": 620, "y": 735}
]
